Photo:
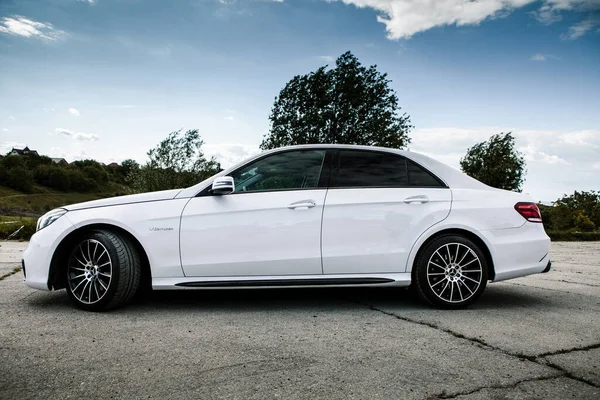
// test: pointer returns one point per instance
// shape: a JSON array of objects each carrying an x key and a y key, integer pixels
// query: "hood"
[{"x": 130, "y": 199}]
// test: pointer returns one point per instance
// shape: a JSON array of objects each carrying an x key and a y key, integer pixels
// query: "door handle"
[
  {"x": 417, "y": 199},
  {"x": 302, "y": 204}
]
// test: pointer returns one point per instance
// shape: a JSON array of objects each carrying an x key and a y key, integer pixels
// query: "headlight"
[{"x": 50, "y": 217}]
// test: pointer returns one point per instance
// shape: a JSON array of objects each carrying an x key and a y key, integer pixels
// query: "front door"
[{"x": 269, "y": 226}]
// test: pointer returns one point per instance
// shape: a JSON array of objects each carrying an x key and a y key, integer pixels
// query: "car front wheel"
[
  {"x": 103, "y": 271},
  {"x": 451, "y": 272}
]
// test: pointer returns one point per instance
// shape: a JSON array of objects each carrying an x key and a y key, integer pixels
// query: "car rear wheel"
[
  {"x": 451, "y": 272},
  {"x": 103, "y": 271}
]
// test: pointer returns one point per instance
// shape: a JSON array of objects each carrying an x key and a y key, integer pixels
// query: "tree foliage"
[
  {"x": 348, "y": 104},
  {"x": 176, "y": 162},
  {"x": 496, "y": 163}
]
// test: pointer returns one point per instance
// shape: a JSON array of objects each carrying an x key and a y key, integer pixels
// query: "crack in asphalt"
[
  {"x": 537, "y": 359},
  {"x": 501, "y": 386}
]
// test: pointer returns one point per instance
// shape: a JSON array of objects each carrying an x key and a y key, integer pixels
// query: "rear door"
[{"x": 377, "y": 205}]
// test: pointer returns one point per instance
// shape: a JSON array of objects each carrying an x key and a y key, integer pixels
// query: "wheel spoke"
[
  {"x": 437, "y": 265},
  {"x": 456, "y": 255},
  {"x": 83, "y": 290},
  {"x": 440, "y": 256},
  {"x": 96, "y": 290},
  {"x": 467, "y": 286},
  {"x": 451, "y": 290},
  {"x": 438, "y": 282},
  {"x": 459, "y": 291},
  {"x": 106, "y": 263},
  {"x": 75, "y": 277},
  {"x": 448, "y": 251},
  {"x": 94, "y": 253},
  {"x": 464, "y": 255},
  {"x": 88, "y": 249},
  {"x": 103, "y": 274},
  {"x": 444, "y": 289},
  {"x": 472, "y": 280},
  {"x": 83, "y": 254},
  {"x": 102, "y": 284},
  {"x": 436, "y": 273},
  {"x": 473, "y": 260}
]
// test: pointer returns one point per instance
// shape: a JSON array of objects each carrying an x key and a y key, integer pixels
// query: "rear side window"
[
  {"x": 377, "y": 169},
  {"x": 370, "y": 169},
  {"x": 419, "y": 177}
]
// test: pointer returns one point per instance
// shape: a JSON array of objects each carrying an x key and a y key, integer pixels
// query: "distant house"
[
  {"x": 59, "y": 161},
  {"x": 113, "y": 165},
  {"x": 23, "y": 152}
]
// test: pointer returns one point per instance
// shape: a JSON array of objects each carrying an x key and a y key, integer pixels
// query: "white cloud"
[
  {"x": 87, "y": 1},
  {"x": 77, "y": 135},
  {"x": 229, "y": 118},
  {"x": 18, "y": 25},
  {"x": 49, "y": 109},
  {"x": 128, "y": 106},
  {"x": 544, "y": 57},
  {"x": 11, "y": 118},
  {"x": 74, "y": 111},
  {"x": 404, "y": 18},
  {"x": 5, "y": 129},
  {"x": 5, "y": 147},
  {"x": 229, "y": 154},
  {"x": 578, "y": 30},
  {"x": 69, "y": 155},
  {"x": 327, "y": 58}
]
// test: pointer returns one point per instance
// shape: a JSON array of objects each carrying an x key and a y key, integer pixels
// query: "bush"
[
  {"x": 566, "y": 236},
  {"x": 79, "y": 182},
  {"x": 19, "y": 178},
  {"x": 52, "y": 176}
]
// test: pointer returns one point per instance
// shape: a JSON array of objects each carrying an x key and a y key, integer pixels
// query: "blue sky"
[{"x": 108, "y": 79}]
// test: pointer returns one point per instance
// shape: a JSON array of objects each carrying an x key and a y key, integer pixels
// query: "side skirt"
[{"x": 251, "y": 282}]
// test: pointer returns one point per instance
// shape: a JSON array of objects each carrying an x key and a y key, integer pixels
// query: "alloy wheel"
[
  {"x": 454, "y": 272},
  {"x": 89, "y": 271}
]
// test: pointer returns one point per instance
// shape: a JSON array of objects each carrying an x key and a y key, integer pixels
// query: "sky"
[{"x": 109, "y": 79}]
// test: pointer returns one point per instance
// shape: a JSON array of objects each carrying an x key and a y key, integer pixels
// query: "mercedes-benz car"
[{"x": 301, "y": 216}]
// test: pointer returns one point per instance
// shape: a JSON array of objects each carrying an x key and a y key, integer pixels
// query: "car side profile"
[{"x": 311, "y": 215}]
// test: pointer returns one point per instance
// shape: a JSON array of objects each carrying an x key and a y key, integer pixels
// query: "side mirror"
[{"x": 223, "y": 185}]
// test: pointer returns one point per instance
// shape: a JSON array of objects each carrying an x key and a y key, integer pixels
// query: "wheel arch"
[
  {"x": 56, "y": 277},
  {"x": 455, "y": 231}
]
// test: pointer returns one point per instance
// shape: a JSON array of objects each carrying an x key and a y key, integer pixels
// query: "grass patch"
[
  {"x": 24, "y": 226},
  {"x": 45, "y": 199}
]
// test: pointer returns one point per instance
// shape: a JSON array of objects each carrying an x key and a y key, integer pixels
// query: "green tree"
[
  {"x": 496, "y": 163},
  {"x": 349, "y": 104},
  {"x": 177, "y": 161},
  {"x": 587, "y": 203}
]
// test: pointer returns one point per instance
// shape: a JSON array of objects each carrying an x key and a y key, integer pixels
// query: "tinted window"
[
  {"x": 417, "y": 176},
  {"x": 370, "y": 169},
  {"x": 289, "y": 170}
]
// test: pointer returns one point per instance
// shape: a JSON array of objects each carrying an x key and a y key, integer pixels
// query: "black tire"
[
  {"x": 446, "y": 269},
  {"x": 90, "y": 284}
]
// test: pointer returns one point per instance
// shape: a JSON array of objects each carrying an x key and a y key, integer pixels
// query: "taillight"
[{"x": 529, "y": 211}]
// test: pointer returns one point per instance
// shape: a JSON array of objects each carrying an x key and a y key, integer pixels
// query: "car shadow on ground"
[{"x": 260, "y": 300}]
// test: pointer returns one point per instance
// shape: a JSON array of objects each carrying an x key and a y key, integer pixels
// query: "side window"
[
  {"x": 417, "y": 176},
  {"x": 370, "y": 169},
  {"x": 284, "y": 171}
]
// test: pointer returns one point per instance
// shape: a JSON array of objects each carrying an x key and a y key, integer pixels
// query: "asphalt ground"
[{"x": 536, "y": 337}]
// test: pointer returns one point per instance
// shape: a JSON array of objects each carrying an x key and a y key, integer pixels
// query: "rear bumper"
[
  {"x": 547, "y": 267},
  {"x": 519, "y": 251}
]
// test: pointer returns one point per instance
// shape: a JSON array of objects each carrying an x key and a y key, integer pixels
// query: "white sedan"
[{"x": 302, "y": 216}]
